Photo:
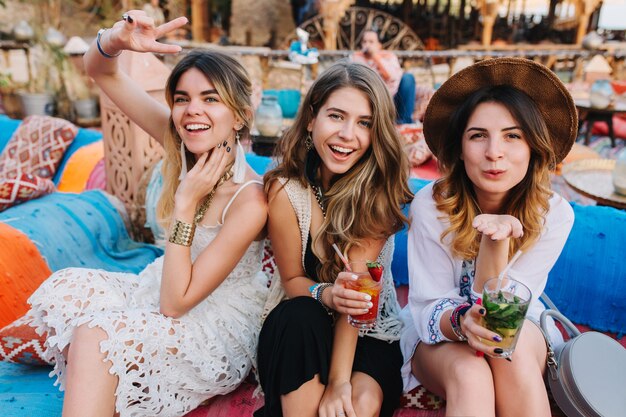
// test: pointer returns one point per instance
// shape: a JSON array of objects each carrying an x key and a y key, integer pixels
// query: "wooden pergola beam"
[
  {"x": 200, "y": 20},
  {"x": 584, "y": 9},
  {"x": 489, "y": 12},
  {"x": 332, "y": 11}
]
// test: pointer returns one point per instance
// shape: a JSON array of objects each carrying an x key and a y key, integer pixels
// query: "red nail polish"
[{"x": 479, "y": 354}]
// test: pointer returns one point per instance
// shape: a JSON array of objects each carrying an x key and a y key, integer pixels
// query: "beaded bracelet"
[
  {"x": 182, "y": 233},
  {"x": 455, "y": 321},
  {"x": 104, "y": 54},
  {"x": 317, "y": 290}
]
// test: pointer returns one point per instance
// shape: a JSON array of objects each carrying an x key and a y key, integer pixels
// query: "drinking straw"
[
  {"x": 506, "y": 268},
  {"x": 343, "y": 258}
]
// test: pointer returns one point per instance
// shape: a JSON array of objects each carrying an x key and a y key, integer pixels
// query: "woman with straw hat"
[{"x": 497, "y": 128}]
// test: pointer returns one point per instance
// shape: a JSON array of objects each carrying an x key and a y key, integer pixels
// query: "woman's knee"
[
  {"x": 461, "y": 368},
  {"x": 367, "y": 401},
  {"x": 85, "y": 336}
]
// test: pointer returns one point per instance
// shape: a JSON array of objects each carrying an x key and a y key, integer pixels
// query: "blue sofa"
[{"x": 587, "y": 282}]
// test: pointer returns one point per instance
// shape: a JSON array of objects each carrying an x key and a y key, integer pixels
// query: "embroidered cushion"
[
  {"x": 19, "y": 343},
  {"x": 37, "y": 146},
  {"x": 420, "y": 397},
  {"x": 21, "y": 187}
]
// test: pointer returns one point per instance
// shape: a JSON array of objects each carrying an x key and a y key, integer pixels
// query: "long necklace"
[
  {"x": 317, "y": 191},
  {"x": 207, "y": 201}
]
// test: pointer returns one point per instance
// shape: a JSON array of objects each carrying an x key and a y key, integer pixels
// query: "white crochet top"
[{"x": 388, "y": 325}]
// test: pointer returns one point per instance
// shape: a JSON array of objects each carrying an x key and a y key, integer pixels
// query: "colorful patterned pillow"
[
  {"x": 19, "y": 343},
  {"x": 22, "y": 187},
  {"x": 420, "y": 397},
  {"x": 37, "y": 147}
]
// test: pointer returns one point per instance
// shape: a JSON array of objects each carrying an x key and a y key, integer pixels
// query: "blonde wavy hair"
[
  {"x": 528, "y": 201},
  {"x": 366, "y": 201},
  {"x": 231, "y": 81}
]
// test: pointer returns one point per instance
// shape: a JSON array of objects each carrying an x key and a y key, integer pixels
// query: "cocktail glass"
[
  {"x": 365, "y": 284},
  {"x": 506, "y": 303}
]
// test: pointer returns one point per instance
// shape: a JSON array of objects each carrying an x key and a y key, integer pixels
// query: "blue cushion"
[
  {"x": 399, "y": 266},
  {"x": 588, "y": 281},
  {"x": 7, "y": 127},
  {"x": 260, "y": 164}
]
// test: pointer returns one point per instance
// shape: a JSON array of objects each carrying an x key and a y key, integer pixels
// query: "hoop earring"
[
  {"x": 240, "y": 165},
  {"x": 183, "y": 161},
  {"x": 308, "y": 142}
]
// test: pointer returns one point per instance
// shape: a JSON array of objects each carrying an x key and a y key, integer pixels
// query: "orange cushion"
[
  {"x": 79, "y": 167},
  {"x": 22, "y": 270}
]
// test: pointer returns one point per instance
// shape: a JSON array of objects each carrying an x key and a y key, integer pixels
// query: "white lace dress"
[{"x": 165, "y": 366}]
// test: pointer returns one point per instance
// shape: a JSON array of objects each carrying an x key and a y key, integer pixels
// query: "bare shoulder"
[
  {"x": 278, "y": 199},
  {"x": 251, "y": 196}
]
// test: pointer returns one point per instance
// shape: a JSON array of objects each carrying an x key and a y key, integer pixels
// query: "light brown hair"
[{"x": 366, "y": 201}]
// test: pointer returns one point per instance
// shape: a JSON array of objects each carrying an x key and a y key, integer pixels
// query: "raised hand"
[
  {"x": 498, "y": 226},
  {"x": 137, "y": 32}
]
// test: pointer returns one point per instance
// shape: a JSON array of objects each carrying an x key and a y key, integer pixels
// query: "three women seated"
[{"x": 196, "y": 321}]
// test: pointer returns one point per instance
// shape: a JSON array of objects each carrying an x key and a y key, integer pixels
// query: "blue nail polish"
[{"x": 497, "y": 339}]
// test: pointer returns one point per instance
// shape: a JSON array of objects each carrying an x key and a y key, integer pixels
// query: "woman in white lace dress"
[
  {"x": 185, "y": 329},
  {"x": 342, "y": 180}
]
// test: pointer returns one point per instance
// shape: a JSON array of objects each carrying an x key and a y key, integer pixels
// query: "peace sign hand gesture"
[{"x": 137, "y": 32}]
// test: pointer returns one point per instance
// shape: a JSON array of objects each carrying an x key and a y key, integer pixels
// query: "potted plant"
[
  {"x": 39, "y": 97},
  {"x": 84, "y": 102},
  {"x": 8, "y": 92}
]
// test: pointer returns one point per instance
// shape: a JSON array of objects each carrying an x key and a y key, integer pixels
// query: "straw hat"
[{"x": 535, "y": 80}]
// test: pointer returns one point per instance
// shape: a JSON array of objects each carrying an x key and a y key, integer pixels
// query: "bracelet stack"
[
  {"x": 455, "y": 321},
  {"x": 104, "y": 54},
  {"x": 317, "y": 290},
  {"x": 182, "y": 233}
]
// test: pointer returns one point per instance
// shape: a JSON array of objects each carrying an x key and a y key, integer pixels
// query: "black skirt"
[{"x": 295, "y": 344}]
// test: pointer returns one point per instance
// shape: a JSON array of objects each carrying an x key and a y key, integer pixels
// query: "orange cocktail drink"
[{"x": 367, "y": 284}]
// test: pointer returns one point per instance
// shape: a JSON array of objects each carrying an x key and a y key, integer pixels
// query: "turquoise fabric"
[
  {"x": 27, "y": 391},
  {"x": 80, "y": 230},
  {"x": 588, "y": 281}
]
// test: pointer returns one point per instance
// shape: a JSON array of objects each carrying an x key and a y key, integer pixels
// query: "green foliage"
[{"x": 503, "y": 313}]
